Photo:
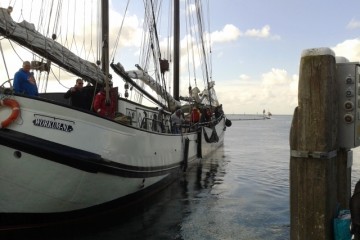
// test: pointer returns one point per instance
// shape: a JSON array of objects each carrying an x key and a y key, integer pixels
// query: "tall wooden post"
[{"x": 313, "y": 143}]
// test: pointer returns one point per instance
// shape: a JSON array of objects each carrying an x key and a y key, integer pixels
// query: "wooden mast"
[
  {"x": 176, "y": 49},
  {"x": 105, "y": 42}
]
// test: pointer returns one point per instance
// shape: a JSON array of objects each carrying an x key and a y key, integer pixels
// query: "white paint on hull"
[{"x": 34, "y": 185}]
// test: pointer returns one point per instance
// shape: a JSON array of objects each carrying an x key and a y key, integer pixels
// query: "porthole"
[{"x": 17, "y": 154}]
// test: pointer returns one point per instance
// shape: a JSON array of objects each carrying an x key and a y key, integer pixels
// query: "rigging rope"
[
  {"x": 73, "y": 41},
  {"x": 91, "y": 34},
  {"x": 187, "y": 46},
  {"x": 209, "y": 43},
  {"x": 119, "y": 33},
  {"x": 47, "y": 20},
  {"x": 67, "y": 27},
  {"x": 51, "y": 9},
  {"x": 192, "y": 46},
  {"x": 57, "y": 17},
  {"x": 199, "y": 14},
  {"x": 15, "y": 50},
  {"x": 99, "y": 40},
  {"x": 83, "y": 43},
  {"x": 156, "y": 51},
  {"x": 57, "y": 78},
  {"x": 2, "y": 54}
]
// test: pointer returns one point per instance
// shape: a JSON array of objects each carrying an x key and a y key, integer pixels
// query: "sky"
[{"x": 256, "y": 45}]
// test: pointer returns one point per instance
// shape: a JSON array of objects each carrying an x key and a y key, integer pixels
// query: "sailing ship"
[{"x": 59, "y": 162}]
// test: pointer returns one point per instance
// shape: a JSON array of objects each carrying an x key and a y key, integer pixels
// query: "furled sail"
[
  {"x": 148, "y": 80},
  {"x": 208, "y": 96},
  {"x": 25, "y": 34}
]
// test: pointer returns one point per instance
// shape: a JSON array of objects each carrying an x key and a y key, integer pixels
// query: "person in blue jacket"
[{"x": 24, "y": 81}]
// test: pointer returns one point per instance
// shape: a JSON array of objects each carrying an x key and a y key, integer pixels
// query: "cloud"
[
  {"x": 353, "y": 24},
  {"x": 232, "y": 33},
  {"x": 244, "y": 77},
  {"x": 275, "y": 91},
  {"x": 349, "y": 49},
  {"x": 191, "y": 9},
  {"x": 131, "y": 32},
  {"x": 227, "y": 34},
  {"x": 264, "y": 32}
]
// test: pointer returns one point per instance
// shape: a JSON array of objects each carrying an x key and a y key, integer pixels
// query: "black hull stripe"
[{"x": 76, "y": 158}]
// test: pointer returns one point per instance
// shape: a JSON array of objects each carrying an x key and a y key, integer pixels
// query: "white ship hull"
[{"x": 58, "y": 160}]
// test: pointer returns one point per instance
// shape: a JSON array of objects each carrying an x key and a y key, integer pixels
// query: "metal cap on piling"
[{"x": 317, "y": 52}]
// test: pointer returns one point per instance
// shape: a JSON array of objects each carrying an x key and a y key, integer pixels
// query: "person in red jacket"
[
  {"x": 101, "y": 107},
  {"x": 195, "y": 115}
]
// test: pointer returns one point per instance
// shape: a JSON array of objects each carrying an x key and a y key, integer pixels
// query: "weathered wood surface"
[
  {"x": 313, "y": 194},
  {"x": 318, "y": 107}
]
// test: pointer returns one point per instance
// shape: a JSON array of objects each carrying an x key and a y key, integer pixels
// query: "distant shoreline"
[
  {"x": 242, "y": 115},
  {"x": 242, "y": 119}
]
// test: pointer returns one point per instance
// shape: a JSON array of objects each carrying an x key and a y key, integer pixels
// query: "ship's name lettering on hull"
[{"x": 52, "y": 124}]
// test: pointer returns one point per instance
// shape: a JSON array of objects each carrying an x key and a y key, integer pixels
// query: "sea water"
[{"x": 239, "y": 192}]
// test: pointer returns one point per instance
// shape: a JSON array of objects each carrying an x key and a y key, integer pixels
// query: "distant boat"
[{"x": 266, "y": 116}]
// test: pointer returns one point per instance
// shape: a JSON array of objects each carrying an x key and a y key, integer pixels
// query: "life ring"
[{"x": 15, "y": 107}]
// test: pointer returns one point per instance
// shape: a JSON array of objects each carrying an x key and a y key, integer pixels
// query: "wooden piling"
[{"x": 313, "y": 144}]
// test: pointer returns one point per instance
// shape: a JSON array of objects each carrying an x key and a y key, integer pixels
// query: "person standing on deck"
[
  {"x": 194, "y": 118},
  {"x": 176, "y": 121},
  {"x": 103, "y": 108},
  {"x": 195, "y": 115},
  {"x": 78, "y": 96},
  {"x": 24, "y": 81},
  {"x": 161, "y": 120}
]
